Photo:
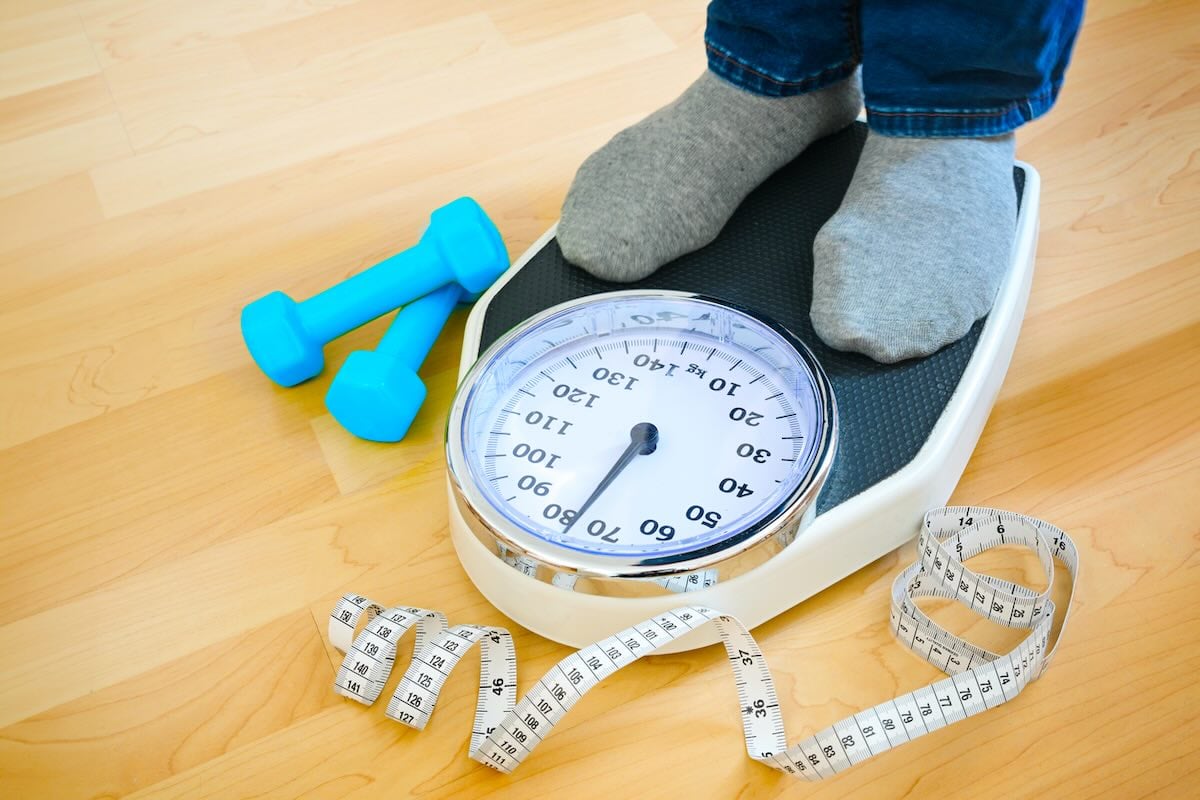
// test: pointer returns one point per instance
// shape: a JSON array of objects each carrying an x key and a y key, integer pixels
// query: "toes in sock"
[
  {"x": 667, "y": 185},
  {"x": 915, "y": 254}
]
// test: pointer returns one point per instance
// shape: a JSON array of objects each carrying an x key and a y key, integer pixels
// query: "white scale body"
[{"x": 824, "y": 549}]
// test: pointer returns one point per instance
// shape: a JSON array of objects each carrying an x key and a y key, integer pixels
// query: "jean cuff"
[
  {"x": 925, "y": 123},
  {"x": 761, "y": 81}
]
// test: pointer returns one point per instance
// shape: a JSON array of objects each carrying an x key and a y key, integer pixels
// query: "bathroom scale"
[{"x": 618, "y": 450}]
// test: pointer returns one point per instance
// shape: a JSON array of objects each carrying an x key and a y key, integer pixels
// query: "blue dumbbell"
[
  {"x": 461, "y": 246},
  {"x": 376, "y": 394}
]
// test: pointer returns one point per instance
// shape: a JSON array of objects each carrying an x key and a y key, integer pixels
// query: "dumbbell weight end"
[{"x": 376, "y": 394}]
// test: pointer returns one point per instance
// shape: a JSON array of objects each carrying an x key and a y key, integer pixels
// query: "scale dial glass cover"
[{"x": 680, "y": 426}]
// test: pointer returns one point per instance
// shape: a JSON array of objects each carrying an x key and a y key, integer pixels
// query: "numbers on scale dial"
[
  {"x": 643, "y": 360},
  {"x": 556, "y": 513},
  {"x": 721, "y": 385},
  {"x": 708, "y": 519},
  {"x": 664, "y": 533},
  {"x": 599, "y": 527},
  {"x": 614, "y": 378},
  {"x": 529, "y": 483},
  {"x": 751, "y": 418},
  {"x": 535, "y": 455},
  {"x": 758, "y": 454},
  {"x": 731, "y": 486},
  {"x": 620, "y": 373},
  {"x": 575, "y": 395},
  {"x": 548, "y": 422}
]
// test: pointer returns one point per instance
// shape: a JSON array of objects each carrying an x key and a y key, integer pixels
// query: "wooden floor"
[{"x": 174, "y": 529}]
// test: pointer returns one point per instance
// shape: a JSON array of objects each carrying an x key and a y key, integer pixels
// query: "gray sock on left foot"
[
  {"x": 915, "y": 254},
  {"x": 667, "y": 185}
]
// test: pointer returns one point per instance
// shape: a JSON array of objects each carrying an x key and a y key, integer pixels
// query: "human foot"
[
  {"x": 915, "y": 254},
  {"x": 667, "y": 185}
]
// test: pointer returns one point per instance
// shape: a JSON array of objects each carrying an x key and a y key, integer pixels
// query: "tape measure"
[{"x": 505, "y": 731}]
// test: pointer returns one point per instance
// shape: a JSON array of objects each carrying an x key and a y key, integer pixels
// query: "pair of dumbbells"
[{"x": 376, "y": 394}]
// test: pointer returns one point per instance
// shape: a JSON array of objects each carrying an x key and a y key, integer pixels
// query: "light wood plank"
[
  {"x": 126, "y": 29},
  {"x": 358, "y": 118},
  {"x": 165, "y": 471},
  {"x": 292, "y": 44},
  {"x": 24, "y": 69},
  {"x": 20, "y": 11},
  {"x": 31, "y": 161},
  {"x": 23, "y": 217},
  {"x": 20, "y": 28},
  {"x": 46, "y": 110},
  {"x": 205, "y": 90},
  {"x": 206, "y": 703}
]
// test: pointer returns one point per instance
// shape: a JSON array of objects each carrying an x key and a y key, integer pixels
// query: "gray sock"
[
  {"x": 667, "y": 185},
  {"x": 915, "y": 254}
]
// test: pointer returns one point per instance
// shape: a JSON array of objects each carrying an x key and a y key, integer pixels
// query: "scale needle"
[{"x": 643, "y": 440}]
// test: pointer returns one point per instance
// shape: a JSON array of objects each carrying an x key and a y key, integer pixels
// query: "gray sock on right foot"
[
  {"x": 667, "y": 185},
  {"x": 916, "y": 252}
]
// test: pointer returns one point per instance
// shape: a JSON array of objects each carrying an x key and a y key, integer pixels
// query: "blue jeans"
[{"x": 929, "y": 67}]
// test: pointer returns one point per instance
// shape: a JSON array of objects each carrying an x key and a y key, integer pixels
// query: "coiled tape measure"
[{"x": 505, "y": 731}]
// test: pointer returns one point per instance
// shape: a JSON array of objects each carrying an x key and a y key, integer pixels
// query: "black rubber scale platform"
[{"x": 763, "y": 261}]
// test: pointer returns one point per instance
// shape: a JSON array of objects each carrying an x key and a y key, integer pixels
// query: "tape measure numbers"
[{"x": 505, "y": 731}]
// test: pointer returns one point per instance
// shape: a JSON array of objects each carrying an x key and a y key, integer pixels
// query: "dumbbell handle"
[
  {"x": 360, "y": 298},
  {"x": 412, "y": 334}
]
